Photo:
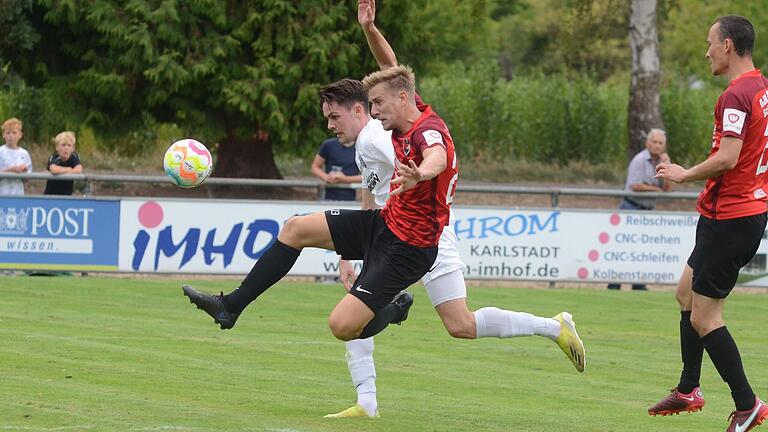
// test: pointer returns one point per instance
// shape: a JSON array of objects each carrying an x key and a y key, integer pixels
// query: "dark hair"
[
  {"x": 740, "y": 31},
  {"x": 345, "y": 92}
]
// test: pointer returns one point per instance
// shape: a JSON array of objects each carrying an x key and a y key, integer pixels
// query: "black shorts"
[
  {"x": 389, "y": 264},
  {"x": 722, "y": 248}
]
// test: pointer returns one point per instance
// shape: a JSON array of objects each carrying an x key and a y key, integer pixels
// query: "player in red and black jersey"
[
  {"x": 731, "y": 225},
  {"x": 415, "y": 126},
  {"x": 398, "y": 244},
  {"x": 425, "y": 161}
]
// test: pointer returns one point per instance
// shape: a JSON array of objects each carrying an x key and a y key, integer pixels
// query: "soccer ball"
[{"x": 187, "y": 162}]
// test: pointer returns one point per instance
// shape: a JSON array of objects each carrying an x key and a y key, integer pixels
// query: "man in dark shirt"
[{"x": 334, "y": 163}]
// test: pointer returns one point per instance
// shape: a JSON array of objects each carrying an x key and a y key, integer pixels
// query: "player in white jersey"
[{"x": 346, "y": 108}]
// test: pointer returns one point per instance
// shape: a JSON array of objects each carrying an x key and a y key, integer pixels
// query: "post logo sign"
[{"x": 58, "y": 234}]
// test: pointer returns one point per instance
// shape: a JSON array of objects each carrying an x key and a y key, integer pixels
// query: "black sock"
[
  {"x": 692, "y": 350},
  {"x": 724, "y": 353},
  {"x": 270, "y": 268},
  {"x": 381, "y": 320}
]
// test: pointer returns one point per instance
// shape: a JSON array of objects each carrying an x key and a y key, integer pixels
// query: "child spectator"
[
  {"x": 13, "y": 158},
  {"x": 64, "y": 161}
]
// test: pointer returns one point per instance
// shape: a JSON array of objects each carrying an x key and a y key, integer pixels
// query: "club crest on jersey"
[{"x": 406, "y": 147}]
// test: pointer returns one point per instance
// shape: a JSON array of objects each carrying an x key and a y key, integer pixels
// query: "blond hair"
[
  {"x": 399, "y": 78},
  {"x": 12, "y": 122},
  {"x": 65, "y": 137}
]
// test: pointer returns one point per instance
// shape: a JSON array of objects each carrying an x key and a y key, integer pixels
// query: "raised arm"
[{"x": 382, "y": 51}]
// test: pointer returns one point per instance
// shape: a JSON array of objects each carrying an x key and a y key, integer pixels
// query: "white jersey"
[
  {"x": 10, "y": 157},
  {"x": 375, "y": 156}
]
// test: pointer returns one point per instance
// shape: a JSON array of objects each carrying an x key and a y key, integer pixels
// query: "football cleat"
[
  {"x": 568, "y": 341},
  {"x": 403, "y": 300},
  {"x": 743, "y": 421},
  {"x": 355, "y": 411},
  {"x": 676, "y": 402},
  {"x": 213, "y": 305}
]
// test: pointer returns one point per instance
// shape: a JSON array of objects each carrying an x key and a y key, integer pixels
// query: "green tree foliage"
[
  {"x": 684, "y": 36},
  {"x": 244, "y": 75},
  {"x": 555, "y": 36},
  {"x": 16, "y": 36},
  {"x": 552, "y": 119}
]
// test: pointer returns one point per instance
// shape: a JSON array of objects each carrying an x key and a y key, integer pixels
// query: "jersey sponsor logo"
[
  {"x": 371, "y": 180},
  {"x": 433, "y": 137},
  {"x": 759, "y": 194},
  {"x": 733, "y": 120}
]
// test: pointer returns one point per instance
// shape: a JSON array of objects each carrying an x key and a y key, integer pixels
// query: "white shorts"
[{"x": 442, "y": 289}]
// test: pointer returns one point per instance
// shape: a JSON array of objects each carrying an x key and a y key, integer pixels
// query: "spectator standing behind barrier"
[
  {"x": 641, "y": 177},
  {"x": 64, "y": 161},
  {"x": 335, "y": 163},
  {"x": 13, "y": 158}
]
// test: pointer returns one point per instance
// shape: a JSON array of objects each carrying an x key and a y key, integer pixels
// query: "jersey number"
[
  {"x": 763, "y": 167},
  {"x": 452, "y": 183}
]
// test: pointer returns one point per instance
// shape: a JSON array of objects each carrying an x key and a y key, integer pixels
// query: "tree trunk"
[
  {"x": 247, "y": 158},
  {"x": 644, "y": 103},
  {"x": 251, "y": 157}
]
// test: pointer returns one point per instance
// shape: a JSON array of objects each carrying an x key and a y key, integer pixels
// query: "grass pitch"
[{"x": 104, "y": 354}]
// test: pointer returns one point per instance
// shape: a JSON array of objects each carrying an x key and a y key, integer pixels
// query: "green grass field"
[{"x": 93, "y": 354}]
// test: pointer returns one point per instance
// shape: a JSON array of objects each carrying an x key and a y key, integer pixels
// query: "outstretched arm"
[
  {"x": 407, "y": 176},
  {"x": 721, "y": 162},
  {"x": 366, "y": 14}
]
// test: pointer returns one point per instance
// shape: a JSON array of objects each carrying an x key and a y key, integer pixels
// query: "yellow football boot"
[
  {"x": 569, "y": 341},
  {"x": 355, "y": 411}
]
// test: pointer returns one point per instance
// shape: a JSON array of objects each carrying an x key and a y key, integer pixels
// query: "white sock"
[
  {"x": 495, "y": 322},
  {"x": 363, "y": 372}
]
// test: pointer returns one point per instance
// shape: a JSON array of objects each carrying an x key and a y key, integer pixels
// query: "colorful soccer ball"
[{"x": 187, "y": 162}]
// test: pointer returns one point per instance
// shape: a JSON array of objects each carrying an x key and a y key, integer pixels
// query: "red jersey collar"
[
  {"x": 424, "y": 114},
  {"x": 748, "y": 74}
]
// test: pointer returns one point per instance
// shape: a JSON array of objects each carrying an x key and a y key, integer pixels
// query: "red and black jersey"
[
  {"x": 741, "y": 112},
  {"x": 418, "y": 215}
]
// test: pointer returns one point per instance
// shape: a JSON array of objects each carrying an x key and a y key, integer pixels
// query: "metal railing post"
[
  {"x": 321, "y": 191},
  {"x": 555, "y": 198}
]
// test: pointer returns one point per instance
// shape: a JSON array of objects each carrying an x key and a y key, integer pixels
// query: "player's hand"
[
  {"x": 664, "y": 158},
  {"x": 669, "y": 171},
  {"x": 347, "y": 273},
  {"x": 407, "y": 176},
  {"x": 366, "y": 12}
]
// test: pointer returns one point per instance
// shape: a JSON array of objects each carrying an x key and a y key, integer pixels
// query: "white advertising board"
[
  {"x": 540, "y": 245},
  {"x": 225, "y": 237}
]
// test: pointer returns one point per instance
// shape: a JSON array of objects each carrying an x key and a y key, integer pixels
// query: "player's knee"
[
  {"x": 702, "y": 324},
  {"x": 343, "y": 329},
  {"x": 291, "y": 232},
  {"x": 461, "y": 329},
  {"x": 683, "y": 297}
]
